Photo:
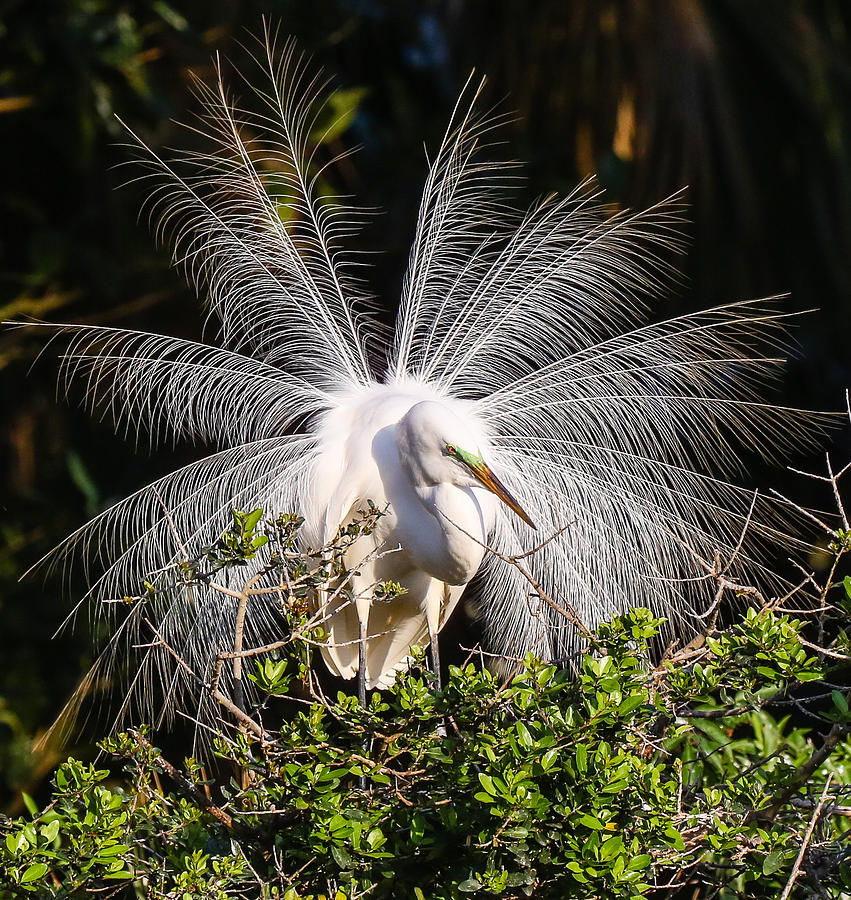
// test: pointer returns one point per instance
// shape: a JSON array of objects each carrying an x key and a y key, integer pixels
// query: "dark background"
[{"x": 746, "y": 103}]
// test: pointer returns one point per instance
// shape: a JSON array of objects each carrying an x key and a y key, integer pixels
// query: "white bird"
[
  {"x": 521, "y": 344},
  {"x": 422, "y": 457}
]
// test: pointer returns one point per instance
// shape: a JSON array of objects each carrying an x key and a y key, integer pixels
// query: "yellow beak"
[{"x": 483, "y": 473}]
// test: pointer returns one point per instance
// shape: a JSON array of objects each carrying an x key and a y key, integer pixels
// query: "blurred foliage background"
[{"x": 747, "y": 103}]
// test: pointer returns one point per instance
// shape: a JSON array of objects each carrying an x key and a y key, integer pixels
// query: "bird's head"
[{"x": 437, "y": 446}]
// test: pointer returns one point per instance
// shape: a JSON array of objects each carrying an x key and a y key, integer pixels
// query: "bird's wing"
[
  {"x": 393, "y": 625},
  {"x": 397, "y": 625},
  {"x": 340, "y": 620},
  {"x": 339, "y": 609}
]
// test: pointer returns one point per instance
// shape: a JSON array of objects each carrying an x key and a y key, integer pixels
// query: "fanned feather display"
[{"x": 615, "y": 433}]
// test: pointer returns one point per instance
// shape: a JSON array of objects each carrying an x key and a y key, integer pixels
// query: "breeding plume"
[{"x": 523, "y": 398}]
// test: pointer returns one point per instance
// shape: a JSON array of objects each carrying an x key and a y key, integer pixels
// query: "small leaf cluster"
[
  {"x": 86, "y": 822},
  {"x": 523, "y": 794},
  {"x": 239, "y": 543},
  {"x": 609, "y": 778},
  {"x": 763, "y": 651}
]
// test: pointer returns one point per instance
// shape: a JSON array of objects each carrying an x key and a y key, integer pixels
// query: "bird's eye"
[{"x": 450, "y": 450}]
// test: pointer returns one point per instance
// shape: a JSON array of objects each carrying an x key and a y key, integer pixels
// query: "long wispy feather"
[
  {"x": 252, "y": 231},
  {"x": 617, "y": 432},
  {"x": 152, "y": 531},
  {"x": 175, "y": 389}
]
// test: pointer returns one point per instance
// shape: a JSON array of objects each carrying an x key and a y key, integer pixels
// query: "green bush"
[{"x": 613, "y": 778}]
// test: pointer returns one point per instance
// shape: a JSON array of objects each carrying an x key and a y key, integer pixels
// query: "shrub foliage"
[{"x": 721, "y": 771}]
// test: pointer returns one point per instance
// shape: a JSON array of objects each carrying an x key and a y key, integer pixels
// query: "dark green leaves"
[
  {"x": 239, "y": 543},
  {"x": 556, "y": 785}
]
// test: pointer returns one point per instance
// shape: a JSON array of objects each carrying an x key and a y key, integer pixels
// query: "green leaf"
[
  {"x": 50, "y": 830},
  {"x": 470, "y": 886},
  {"x": 342, "y": 858},
  {"x": 615, "y": 787},
  {"x": 15, "y": 842},
  {"x": 631, "y": 703},
  {"x": 376, "y": 838},
  {"x": 487, "y": 783},
  {"x": 82, "y": 480},
  {"x": 524, "y": 736},
  {"x": 34, "y": 872},
  {"x": 548, "y": 760},
  {"x": 114, "y": 850},
  {"x": 611, "y": 846},
  {"x": 418, "y": 827},
  {"x": 772, "y": 863},
  {"x": 251, "y": 521},
  {"x": 29, "y": 803},
  {"x": 675, "y": 837},
  {"x": 167, "y": 12}
]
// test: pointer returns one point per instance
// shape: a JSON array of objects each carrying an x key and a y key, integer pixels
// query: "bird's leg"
[
  {"x": 362, "y": 664},
  {"x": 435, "y": 655},
  {"x": 435, "y": 600},
  {"x": 433, "y": 611},
  {"x": 362, "y": 609},
  {"x": 363, "y": 623}
]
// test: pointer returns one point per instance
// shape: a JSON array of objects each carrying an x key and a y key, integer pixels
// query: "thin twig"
[
  {"x": 567, "y": 611},
  {"x": 796, "y": 869},
  {"x": 802, "y": 775},
  {"x": 824, "y": 650},
  {"x": 194, "y": 793},
  {"x": 238, "y": 633},
  {"x": 214, "y": 692},
  {"x": 831, "y": 809}
]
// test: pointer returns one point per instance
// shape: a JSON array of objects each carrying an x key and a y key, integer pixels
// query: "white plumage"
[
  {"x": 399, "y": 446},
  {"x": 521, "y": 337}
]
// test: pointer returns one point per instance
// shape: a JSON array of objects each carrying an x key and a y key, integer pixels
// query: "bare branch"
[{"x": 805, "y": 771}]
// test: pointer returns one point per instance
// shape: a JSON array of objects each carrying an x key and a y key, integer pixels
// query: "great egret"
[
  {"x": 521, "y": 344},
  {"x": 423, "y": 458}
]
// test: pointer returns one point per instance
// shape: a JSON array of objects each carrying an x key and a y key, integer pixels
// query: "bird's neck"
[
  {"x": 463, "y": 519},
  {"x": 454, "y": 521}
]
